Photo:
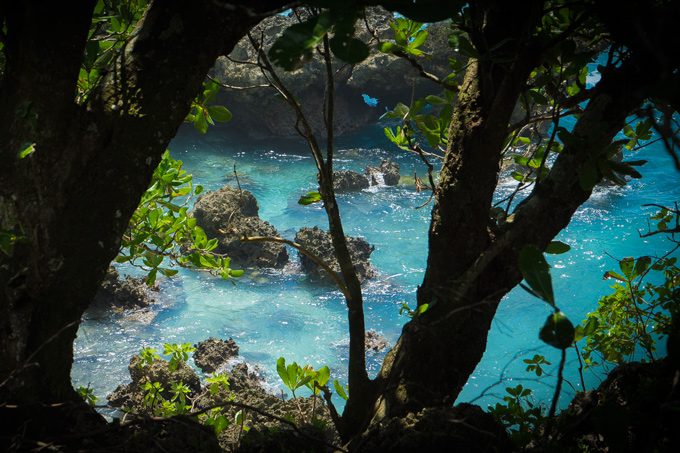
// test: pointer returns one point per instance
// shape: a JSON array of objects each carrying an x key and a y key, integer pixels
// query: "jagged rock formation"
[
  {"x": 349, "y": 181},
  {"x": 387, "y": 171},
  {"x": 260, "y": 113},
  {"x": 213, "y": 353},
  {"x": 374, "y": 341},
  {"x": 122, "y": 294},
  {"x": 131, "y": 395},
  {"x": 465, "y": 427},
  {"x": 229, "y": 214},
  {"x": 634, "y": 409},
  {"x": 319, "y": 243}
]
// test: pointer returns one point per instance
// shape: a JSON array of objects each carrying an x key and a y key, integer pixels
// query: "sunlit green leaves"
[
  {"x": 409, "y": 36},
  {"x": 342, "y": 392},
  {"x": 203, "y": 112},
  {"x": 162, "y": 235},
  {"x": 26, "y": 150},
  {"x": 310, "y": 198}
]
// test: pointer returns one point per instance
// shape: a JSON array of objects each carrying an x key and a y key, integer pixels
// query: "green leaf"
[
  {"x": 340, "y": 390},
  {"x": 219, "y": 113},
  {"x": 557, "y": 331},
  {"x": 557, "y": 248},
  {"x": 309, "y": 198},
  {"x": 26, "y": 150},
  {"x": 642, "y": 264},
  {"x": 351, "y": 50},
  {"x": 626, "y": 266},
  {"x": 237, "y": 272},
  {"x": 536, "y": 272}
]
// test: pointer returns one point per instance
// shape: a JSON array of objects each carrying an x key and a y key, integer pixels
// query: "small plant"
[
  {"x": 179, "y": 353},
  {"x": 293, "y": 375},
  {"x": 215, "y": 419},
  {"x": 629, "y": 322},
  {"x": 520, "y": 416},
  {"x": 152, "y": 394},
  {"x": 148, "y": 355},
  {"x": 343, "y": 392},
  {"x": 405, "y": 309},
  {"x": 217, "y": 383},
  {"x": 536, "y": 364},
  {"x": 180, "y": 392},
  {"x": 87, "y": 394}
]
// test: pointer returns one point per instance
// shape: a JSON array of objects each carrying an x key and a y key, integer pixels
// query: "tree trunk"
[
  {"x": 473, "y": 263},
  {"x": 72, "y": 198}
]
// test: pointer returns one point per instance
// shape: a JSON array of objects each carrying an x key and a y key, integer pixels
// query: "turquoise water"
[{"x": 278, "y": 313}]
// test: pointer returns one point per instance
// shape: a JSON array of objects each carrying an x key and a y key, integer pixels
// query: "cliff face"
[{"x": 259, "y": 112}]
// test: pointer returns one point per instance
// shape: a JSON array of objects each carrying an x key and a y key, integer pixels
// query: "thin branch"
[
  {"x": 318, "y": 261},
  {"x": 234, "y": 87}
]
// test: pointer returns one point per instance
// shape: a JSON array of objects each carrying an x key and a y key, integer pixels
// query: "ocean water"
[{"x": 279, "y": 313}]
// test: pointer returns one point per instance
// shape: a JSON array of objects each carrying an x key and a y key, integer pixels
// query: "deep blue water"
[{"x": 272, "y": 314}]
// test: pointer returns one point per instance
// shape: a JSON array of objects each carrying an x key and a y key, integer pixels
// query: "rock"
[
  {"x": 349, "y": 181},
  {"x": 388, "y": 171},
  {"x": 632, "y": 410},
  {"x": 465, "y": 427},
  {"x": 266, "y": 433},
  {"x": 214, "y": 210},
  {"x": 132, "y": 395},
  {"x": 384, "y": 76},
  {"x": 374, "y": 341},
  {"x": 318, "y": 242},
  {"x": 122, "y": 294},
  {"x": 229, "y": 214},
  {"x": 213, "y": 353}
]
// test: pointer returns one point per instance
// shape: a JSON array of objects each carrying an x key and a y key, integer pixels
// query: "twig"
[
  {"x": 556, "y": 396},
  {"x": 318, "y": 261}
]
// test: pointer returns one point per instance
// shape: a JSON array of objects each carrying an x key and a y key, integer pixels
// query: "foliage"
[
  {"x": 87, "y": 394},
  {"x": 519, "y": 414},
  {"x": 148, "y": 356},
  {"x": 536, "y": 364},
  {"x": 294, "y": 376},
  {"x": 112, "y": 26},
  {"x": 310, "y": 198},
  {"x": 203, "y": 110},
  {"x": 179, "y": 353},
  {"x": 218, "y": 383},
  {"x": 161, "y": 230},
  {"x": 297, "y": 43},
  {"x": 638, "y": 312},
  {"x": 406, "y": 310},
  {"x": 343, "y": 392},
  {"x": 215, "y": 419}
]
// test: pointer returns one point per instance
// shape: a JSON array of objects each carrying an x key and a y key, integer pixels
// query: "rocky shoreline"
[{"x": 241, "y": 396}]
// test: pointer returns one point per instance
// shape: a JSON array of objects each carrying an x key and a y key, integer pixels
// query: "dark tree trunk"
[
  {"x": 71, "y": 199},
  {"x": 472, "y": 263}
]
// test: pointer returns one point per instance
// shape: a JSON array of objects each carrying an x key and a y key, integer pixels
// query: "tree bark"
[
  {"x": 72, "y": 198},
  {"x": 472, "y": 263}
]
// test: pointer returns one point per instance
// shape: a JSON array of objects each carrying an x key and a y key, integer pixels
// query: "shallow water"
[{"x": 278, "y": 313}]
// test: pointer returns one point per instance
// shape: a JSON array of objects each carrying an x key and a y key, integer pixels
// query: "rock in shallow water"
[
  {"x": 122, "y": 294},
  {"x": 228, "y": 214},
  {"x": 388, "y": 171},
  {"x": 318, "y": 242},
  {"x": 349, "y": 181},
  {"x": 132, "y": 395},
  {"x": 212, "y": 353},
  {"x": 374, "y": 341}
]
